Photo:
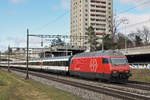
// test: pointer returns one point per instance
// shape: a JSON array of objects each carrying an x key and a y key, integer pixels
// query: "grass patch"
[
  {"x": 140, "y": 75},
  {"x": 1, "y": 83},
  {"x": 15, "y": 88}
]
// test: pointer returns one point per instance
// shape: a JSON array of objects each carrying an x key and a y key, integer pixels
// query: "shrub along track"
[{"x": 118, "y": 93}]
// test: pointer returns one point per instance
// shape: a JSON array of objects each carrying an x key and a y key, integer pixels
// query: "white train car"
[{"x": 55, "y": 64}]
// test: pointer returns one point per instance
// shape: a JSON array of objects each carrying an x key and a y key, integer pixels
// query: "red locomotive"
[{"x": 108, "y": 65}]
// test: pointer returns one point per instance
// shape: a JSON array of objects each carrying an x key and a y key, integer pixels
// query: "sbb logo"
[{"x": 93, "y": 65}]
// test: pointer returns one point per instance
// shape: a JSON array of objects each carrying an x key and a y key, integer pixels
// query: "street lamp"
[{"x": 125, "y": 22}]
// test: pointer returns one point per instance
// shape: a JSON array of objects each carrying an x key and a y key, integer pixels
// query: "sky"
[{"x": 52, "y": 17}]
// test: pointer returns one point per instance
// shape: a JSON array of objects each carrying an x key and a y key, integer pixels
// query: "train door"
[
  {"x": 105, "y": 62},
  {"x": 41, "y": 64}
]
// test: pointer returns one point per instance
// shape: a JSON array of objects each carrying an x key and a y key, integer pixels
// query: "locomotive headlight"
[
  {"x": 114, "y": 72},
  {"x": 127, "y": 71}
]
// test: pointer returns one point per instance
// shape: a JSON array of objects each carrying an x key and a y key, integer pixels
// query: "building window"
[
  {"x": 92, "y": 5},
  {"x": 92, "y": 24}
]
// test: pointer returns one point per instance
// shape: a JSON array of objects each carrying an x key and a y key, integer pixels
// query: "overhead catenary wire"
[
  {"x": 51, "y": 22},
  {"x": 139, "y": 5},
  {"x": 124, "y": 11},
  {"x": 62, "y": 15},
  {"x": 138, "y": 23},
  {"x": 132, "y": 8}
]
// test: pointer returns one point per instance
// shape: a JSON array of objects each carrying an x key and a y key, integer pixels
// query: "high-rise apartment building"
[{"x": 95, "y": 13}]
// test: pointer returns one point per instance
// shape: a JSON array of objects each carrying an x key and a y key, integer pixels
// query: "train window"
[
  {"x": 53, "y": 63},
  {"x": 56, "y": 63},
  {"x": 119, "y": 61},
  {"x": 67, "y": 63},
  {"x": 105, "y": 61},
  {"x": 49, "y": 63},
  {"x": 64, "y": 63},
  {"x": 61, "y": 63}
]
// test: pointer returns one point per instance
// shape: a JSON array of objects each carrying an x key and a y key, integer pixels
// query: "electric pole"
[
  {"x": 27, "y": 62},
  {"x": 0, "y": 57},
  {"x": 8, "y": 58}
]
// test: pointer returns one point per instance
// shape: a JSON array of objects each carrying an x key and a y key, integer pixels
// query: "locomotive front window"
[
  {"x": 118, "y": 61},
  {"x": 105, "y": 60}
]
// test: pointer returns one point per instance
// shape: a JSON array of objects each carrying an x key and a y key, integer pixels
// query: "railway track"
[
  {"x": 137, "y": 82},
  {"x": 99, "y": 89},
  {"x": 136, "y": 86}
]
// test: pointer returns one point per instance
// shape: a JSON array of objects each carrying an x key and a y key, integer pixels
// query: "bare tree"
[
  {"x": 143, "y": 33},
  {"x": 114, "y": 25},
  {"x": 136, "y": 39},
  {"x": 120, "y": 41},
  {"x": 146, "y": 34},
  {"x": 120, "y": 38}
]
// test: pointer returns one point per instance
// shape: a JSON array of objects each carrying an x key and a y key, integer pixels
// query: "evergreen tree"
[
  {"x": 108, "y": 43},
  {"x": 92, "y": 39}
]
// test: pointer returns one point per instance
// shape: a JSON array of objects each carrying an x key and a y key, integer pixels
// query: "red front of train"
[{"x": 113, "y": 67}]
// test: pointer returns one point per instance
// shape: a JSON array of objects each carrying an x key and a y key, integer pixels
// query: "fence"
[{"x": 140, "y": 65}]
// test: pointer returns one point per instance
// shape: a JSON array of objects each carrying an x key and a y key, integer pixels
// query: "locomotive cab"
[{"x": 118, "y": 68}]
